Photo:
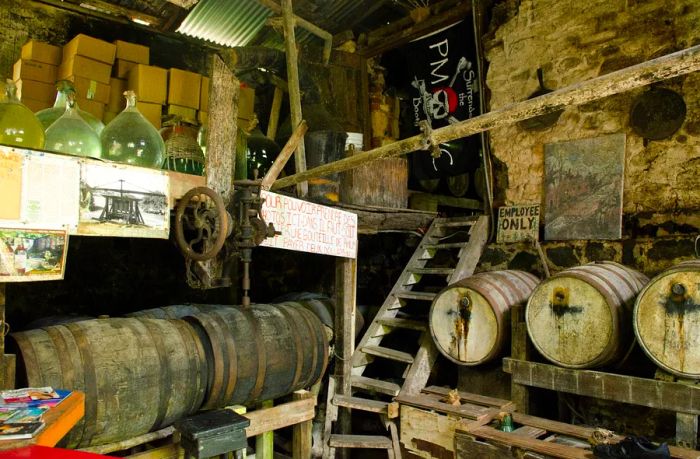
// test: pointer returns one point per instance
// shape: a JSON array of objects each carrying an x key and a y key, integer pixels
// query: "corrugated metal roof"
[{"x": 225, "y": 22}]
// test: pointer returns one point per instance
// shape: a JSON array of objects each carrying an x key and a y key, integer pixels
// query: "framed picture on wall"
[{"x": 583, "y": 188}]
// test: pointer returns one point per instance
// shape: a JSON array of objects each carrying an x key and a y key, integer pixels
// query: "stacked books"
[{"x": 21, "y": 410}]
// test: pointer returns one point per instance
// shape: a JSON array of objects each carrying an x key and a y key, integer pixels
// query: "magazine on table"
[
  {"x": 19, "y": 431},
  {"x": 11, "y": 399}
]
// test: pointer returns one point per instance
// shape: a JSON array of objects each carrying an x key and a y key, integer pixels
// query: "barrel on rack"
[
  {"x": 470, "y": 319},
  {"x": 175, "y": 311},
  {"x": 581, "y": 317},
  {"x": 138, "y": 375},
  {"x": 261, "y": 352},
  {"x": 667, "y": 319}
]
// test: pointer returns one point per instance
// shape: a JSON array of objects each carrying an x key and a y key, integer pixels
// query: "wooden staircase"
[{"x": 382, "y": 365}]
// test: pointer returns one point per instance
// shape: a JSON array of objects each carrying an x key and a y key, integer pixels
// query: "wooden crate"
[
  {"x": 428, "y": 423},
  {"x": 533, "y": 438}
]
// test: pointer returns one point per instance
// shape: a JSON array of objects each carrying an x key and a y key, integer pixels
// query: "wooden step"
[
  {"x": 446, "y": 271},
  {"x": 387, "y": 353},
  {"x": 377, "y": 385},
  {"x": 357, "y": 403},
  {"x": 404, "y": 323},
  {"x": 446, "y": 245},
  {"x": 360, "y": 441},
  {"x": 450, "y": 223},
  {"x": 413, "y": 295}
]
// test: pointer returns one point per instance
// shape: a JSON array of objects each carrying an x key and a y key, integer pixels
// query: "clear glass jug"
[
  {"x": 65, "y": 88},
  {"x": 71, "y": 134},
  {"x": 18, "y": 125}
]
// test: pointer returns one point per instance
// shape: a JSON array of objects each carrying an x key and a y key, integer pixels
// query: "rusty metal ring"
[{"x": 222, "y": 219}]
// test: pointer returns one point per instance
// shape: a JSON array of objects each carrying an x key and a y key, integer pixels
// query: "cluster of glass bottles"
[{"x": 129, "y": 138}]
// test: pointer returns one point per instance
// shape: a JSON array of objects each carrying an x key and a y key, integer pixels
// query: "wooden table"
[{"x": 58, "y": 420}]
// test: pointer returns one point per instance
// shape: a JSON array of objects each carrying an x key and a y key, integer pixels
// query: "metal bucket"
[
  {"x": 138, "y": 375},
  {"x": 470, "y": 319},
  {"x": 580, "y": 317},
  {"x": 667, "y": 319}
]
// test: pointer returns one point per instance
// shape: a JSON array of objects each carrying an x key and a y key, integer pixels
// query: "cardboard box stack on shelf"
[
  {"x": 150, "y": 84},
  {"x": 184, "y": 94},
  {"x": 129, "y": 55},
  {"x": 246, "y": 107},
  {"x": 35, "y": 74},
  {"x": 203, "y": 113},
  {"x": 87, "y": 61}
]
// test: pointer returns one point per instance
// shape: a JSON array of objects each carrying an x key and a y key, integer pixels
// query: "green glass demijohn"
[
  {"x": 261, "y": 153},
  {"x": 131, "y": 139},
  {"x": 71, "y": 134},
  {"x": 19, "y": 127},
  {"x": 182, "y": 152},
  {"x": 65, "y": 88}
]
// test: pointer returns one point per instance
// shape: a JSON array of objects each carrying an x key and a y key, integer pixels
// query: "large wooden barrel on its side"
[
  {"x": 261, "y": 352},
  {"x": 138, "y": 375},
  {"x": 175, "y": 311},
  {"x": 581, "y": 317},
  {"x": 667, "y": 319},
  {"x": 470, "y": 319}
]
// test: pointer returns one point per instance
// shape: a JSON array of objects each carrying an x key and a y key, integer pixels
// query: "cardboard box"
[
  {"x": 186, "y": 114},
  {"x": 36, "y": 105},
  {"x": 132, "y": 52},
  {"x": 108, "y": 116},
  {"x": 36, "y": 90},
  {"x": 152, "y": 112},
  {"x": 122, "y": 68},
  {"x": 149, "y": 82},
  {"x": 91, "y": 89},
  {"x": 116, "y": 102},
  {"x": 246, "y": 103},
  {"x": 93, "y": 48},
  {"x": 204, "y": 94},
  {"x": 32, "y": 70},
  {"x": 81, "y": 66},
  {"x": 202, "y": 117},
  {"x": 38, "y": 51},
  {"x": 183, "y": 88},
  {"x": 94, "y": 108}
]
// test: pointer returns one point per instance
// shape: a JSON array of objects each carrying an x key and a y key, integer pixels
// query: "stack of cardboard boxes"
[
  {"x": 87, "y": 62},
  {"x": 35, "y": 74},
  {"x": 102, "y": 71}
]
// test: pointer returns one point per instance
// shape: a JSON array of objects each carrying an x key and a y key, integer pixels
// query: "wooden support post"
[
  {"x": 687, "y": 430},
  {"x": 275, "y": 113},
  {"x": 279, "y": 163},
  {"x": 301, "y": 436},
  {"x": 223, "y": 113},
  {"x": 519, "y": 349},
  {"x": 290, "y": 45},
  {"x": 346, "y": 284},
  {"x": 264, "y": 444},
  {"x": 659, "y": 69}
]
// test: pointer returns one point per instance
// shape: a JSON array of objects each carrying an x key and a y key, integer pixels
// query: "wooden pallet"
[{"x": 533, "y": 437}]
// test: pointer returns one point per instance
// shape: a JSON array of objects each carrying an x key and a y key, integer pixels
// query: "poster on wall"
[
  {"x": 440, "y": 75},
  {"x": 518, "y": 223},
  {"x": 32, "y": 254},
  {"x": 309, "y": 227},
  {"x": 124, "y": 201},
  {"x": 583, "y": 188}
]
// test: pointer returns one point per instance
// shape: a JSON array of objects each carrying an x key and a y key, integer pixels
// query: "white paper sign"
[{"x": 309, "y": 227}]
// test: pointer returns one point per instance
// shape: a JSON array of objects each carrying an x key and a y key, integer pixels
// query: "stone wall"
[{"x": 576, "y": 41}]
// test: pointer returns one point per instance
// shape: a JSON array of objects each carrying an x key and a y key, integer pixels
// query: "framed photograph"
[{"x": 32, "y": 254}]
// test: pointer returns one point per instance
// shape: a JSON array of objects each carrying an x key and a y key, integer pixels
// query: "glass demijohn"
[
  {"x": 65, "y": 88},
  {"x": 262, "y": 152},
  {"x": 18, "y": 125},
  {"x": 131, "y": 139},
  {"x": 182, "y": 152},
  {"x": 71, "y": 134}
]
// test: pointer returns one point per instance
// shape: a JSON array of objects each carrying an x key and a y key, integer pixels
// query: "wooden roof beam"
[{"x": 662, "y": 68}]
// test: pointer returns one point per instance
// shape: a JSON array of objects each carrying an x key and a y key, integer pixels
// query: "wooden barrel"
[
  {"x": 138, "y": 375},
  {"x": 175, "y": 311},
  {"x": 580, "y": 317},
  {"x": 667, "y": 319},
  {"x": 470, "y": 319},
  {"x": 261, "y": 352}
]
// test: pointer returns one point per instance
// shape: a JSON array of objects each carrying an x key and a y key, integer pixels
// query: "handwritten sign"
[
  {"x": 518, "y": 223},
  {"x": 309, "y": 227}
]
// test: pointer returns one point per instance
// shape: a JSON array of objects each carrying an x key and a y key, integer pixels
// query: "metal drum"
[
  {"x": 667, "y": 319},
  {"x": 470, "y": 319},
  {"x": 580, "y": 317}
]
